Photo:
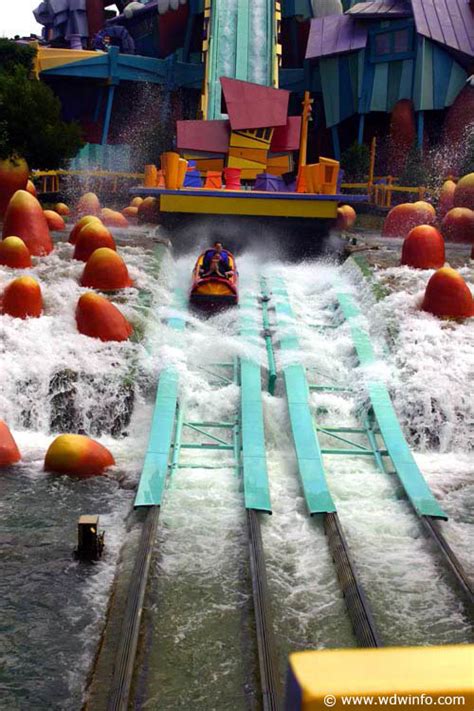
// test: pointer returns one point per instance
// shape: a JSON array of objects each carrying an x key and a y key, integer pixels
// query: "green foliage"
[
  {"x": 14, "y": 55},
  {"x": 416, "y": 171},
  {"x": 355, "y": 161},
  {"x": 30, "y": 115}
]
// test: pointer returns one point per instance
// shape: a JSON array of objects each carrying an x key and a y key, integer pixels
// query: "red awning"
[
  {"x": 206, "y": 136},
  {"x": 287, "y": 138},
  {"x": 254, "y": 106}
]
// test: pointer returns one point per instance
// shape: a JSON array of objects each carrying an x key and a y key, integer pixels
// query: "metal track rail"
[
  {"x": 312, "y": 474},
  {"x": 432, "y": 526},
  {"x": 149, "y": 495},
  {"x": 357, "y": 605},
  {"x": 257, "y": 499},
  {"x": 264, "y": 625},
  {"x": 382, "y": 415},
  {"x": 128, "y": 644}
]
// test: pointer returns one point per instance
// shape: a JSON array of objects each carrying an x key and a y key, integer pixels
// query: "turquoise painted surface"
[
  {"x": 352, "y": 83},
  {"x": 380, "y": 87},
  {"x": 415, "y": 486},
  {"x": 254, "y": 462},
  {"x": 308, "y": 452},
  {"x": 155, "y": 467},
  {"x": 240, "y": 46}
]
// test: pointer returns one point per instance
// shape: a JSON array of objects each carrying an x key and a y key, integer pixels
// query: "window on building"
[{"x": 392, "y": 45}]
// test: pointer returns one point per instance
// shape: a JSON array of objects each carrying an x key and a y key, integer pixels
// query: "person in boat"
[
  {"x": 216, "y": 269},
  {"x": 219, "y": 250}
]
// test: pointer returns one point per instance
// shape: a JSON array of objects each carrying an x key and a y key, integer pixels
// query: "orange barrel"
[
  {"x": 160, "y": 179},
  {"x": 182, "y": 167},
  {"x": 232, "y": 178},
  {"x": 170, "y": 165},
  {"x": 150, "y": 176},
  {"x": 213, "y": 180}
]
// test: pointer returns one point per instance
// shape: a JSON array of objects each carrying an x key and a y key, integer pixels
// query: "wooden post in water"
[
  {"x": 373, "y": 149},
  {"x": 90, "y": 542}
]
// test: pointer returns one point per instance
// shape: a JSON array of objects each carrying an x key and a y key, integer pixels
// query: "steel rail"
[
  {"x": 165, "y": 423},
  {"x": 269, "y": 682},
  {"x": 309, "y": 457},
  {"x": 257, "y": 500},
  {"x": 432, "y": 526},
  {"x": 418, "y": 493},
  {"x": 130, "y": 631}
]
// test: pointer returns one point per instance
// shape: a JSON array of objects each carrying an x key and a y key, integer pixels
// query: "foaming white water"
[
  {"x": 432, "y": 361},
  {"x": 412, "y": 598},
  {"x": 201, "y": 597},
  {"x": 261, "y": 16},
  {"x": 35, "y": 353},
  {"x": 51, "y": 376},
  {"x": 308, "y": 608}
]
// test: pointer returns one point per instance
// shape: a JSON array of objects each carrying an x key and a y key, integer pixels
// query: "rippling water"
[{"x": 200, "y": 647}]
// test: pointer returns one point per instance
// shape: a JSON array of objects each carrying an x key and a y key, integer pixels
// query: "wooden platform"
[{"x": 200, "y": 201}]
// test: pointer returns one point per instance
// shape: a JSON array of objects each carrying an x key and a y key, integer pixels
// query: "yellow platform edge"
[
  {"x": 323, "y": 209},
  {"x": 395, "y": 677}
]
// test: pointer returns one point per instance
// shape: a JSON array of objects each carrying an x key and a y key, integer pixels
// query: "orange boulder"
[
  {"x": 31, "y": 188},
  {"x": 98, "y": 318},
  {"x": 88, "y": 204},
  {"x": 62, "y": 209},
  {"x": 80, "y": 224},
  {"x": 77, "y": 455},
  {"x": 446, "y": 198},
  {"x": 14, "y": 253},
  {"x": 22, "y": 298},
  {"x": 464, "y": 193},
  {"x": 112, "y": 218},
  {"x": 54, "y": 220},
  {"x": 25, "y": 218},
  {"x": 92, "y": 236},
  {"x": 130, "y": 212},
  {"x": 9, "y": 452},
  {"x": 403, "y": 218},
  {"x": 423, "y": 248},
  {"x": 13, "y": 176},
  {"x": 105, "y": 270},
  {"x": 447, "y": 295},
  {"x": 458, "y": 225},
  {"x": 346, "y": 217},
  {"x": 149, "y": 211}
]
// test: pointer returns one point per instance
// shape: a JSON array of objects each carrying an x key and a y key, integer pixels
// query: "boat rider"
[
  {"x": 218, "y": 250},
  {"x": 216, "y": 267}
]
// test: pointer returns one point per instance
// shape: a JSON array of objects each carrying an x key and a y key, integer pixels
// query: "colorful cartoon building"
[{"x": 363, "y": 62}]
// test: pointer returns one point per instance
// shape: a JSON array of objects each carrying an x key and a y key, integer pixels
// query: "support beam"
[
  {"x": 335, "y": 143},
  {"x": 108, "y": 114},
  {"x": 360, "y": 138},
  {"x": 420, "y": 129}
]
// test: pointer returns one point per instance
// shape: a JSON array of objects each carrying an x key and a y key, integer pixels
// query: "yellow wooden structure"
[
  {"x": 395, "y": 677},
  {"x": 204, "y": 202},
  {"x": 248, "y": 150}
]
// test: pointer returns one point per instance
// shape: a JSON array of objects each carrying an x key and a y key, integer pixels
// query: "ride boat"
[{"x": 215, "y": 289}]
